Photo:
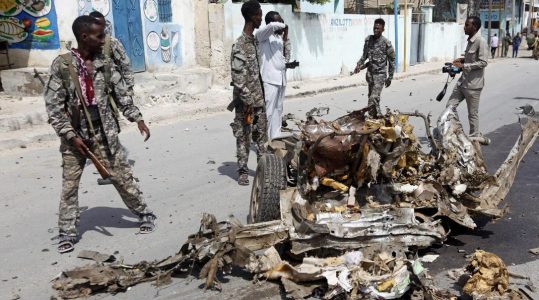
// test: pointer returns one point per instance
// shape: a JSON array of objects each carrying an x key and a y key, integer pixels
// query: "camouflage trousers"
[
  {"x": 376, "y": 83},
  {"x": 243, "y": 133},
  {"x": 73, "y": 163}
]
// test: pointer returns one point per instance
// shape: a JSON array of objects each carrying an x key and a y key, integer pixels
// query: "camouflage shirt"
[
  {"x": 246, "y": 72},
  {"x": 121, "y": 60},
  {"x": 60, "y": 98},
  {"x": 379, "y": 52}
]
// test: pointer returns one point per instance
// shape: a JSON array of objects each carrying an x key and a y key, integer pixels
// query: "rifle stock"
[{"x": 98, "y": 165}]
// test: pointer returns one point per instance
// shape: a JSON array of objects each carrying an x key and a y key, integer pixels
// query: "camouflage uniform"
[
  {"x": 379, "y": 52},
  {"x": 120, "y": 58},
  {"x": 248, "y": 93},
  {"x": 60, "y": 98}
]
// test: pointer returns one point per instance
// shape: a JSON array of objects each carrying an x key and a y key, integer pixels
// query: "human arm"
[
  {"x": 265, "y": 32},
  {"x": 287, "y": 46},
  {"x": 119, "y": 55},
  {"x": 55, "y": 98},
  {"x": 124, "y": 100},
  {"x": 364, "y": 56},
  {"x": 238, "y": 68},
  {"x": 390, "y": 61}
]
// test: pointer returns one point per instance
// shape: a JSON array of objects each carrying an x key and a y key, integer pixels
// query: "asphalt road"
[{"x": 188, "y": 167}]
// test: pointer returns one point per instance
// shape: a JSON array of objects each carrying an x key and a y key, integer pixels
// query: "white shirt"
[
  {"x": 271, "y": 53},
  {"x": 494, "y": 42}
]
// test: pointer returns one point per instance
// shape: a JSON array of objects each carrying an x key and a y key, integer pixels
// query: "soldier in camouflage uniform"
[
  {"x": 248, "y": 98},
  {"x": 379, "y": 51},
  {"x": 80, "y": 112}
]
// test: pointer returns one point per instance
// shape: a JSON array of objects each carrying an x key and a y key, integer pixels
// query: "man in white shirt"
[
  {"x": 493, "y": 45},
  {"x": 274, "y": 53}
]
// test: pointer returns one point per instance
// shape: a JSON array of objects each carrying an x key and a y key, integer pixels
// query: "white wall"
[
  {"x": 324, "y": 44},
  {"x": 183, "y": 13},
  {"x": 67, "y": 11},
  {"x": 443, "y": 41},
  {"x": 328, "y": 8}
]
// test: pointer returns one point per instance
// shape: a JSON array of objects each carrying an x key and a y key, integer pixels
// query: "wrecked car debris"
[{"x": 341, "y": 207}]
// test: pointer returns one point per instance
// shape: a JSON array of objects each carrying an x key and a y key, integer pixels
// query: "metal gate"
[
  {"x": 128, "y": 29},
  {"x": 418, "y": 39}
]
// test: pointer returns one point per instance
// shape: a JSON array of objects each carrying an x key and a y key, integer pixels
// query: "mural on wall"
[
  {"x": 150, "y": 10},
  {"x": 102, "y": 6},
  {"x": 164, "y": 45},
  {"x": 29, "y": 24},
  {"x": 162, "y": 39}
]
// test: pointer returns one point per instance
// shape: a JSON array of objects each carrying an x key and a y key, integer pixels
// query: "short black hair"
[
  {"x": 82, "y": 24},
  {"x": 269, "y": 16},
  {"x": 476, "y": 22},
  {"x": 380, "y": 21},
  {"x": 249, "y": 9},
  {"x": 96, "y": 14}
]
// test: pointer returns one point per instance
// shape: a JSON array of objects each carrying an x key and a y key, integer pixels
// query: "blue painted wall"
[
  {"x": 31, "y": 26},
  {"x": 162, "y": 40}
]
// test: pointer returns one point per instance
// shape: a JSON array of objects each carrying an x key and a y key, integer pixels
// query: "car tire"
[{"x": 270, "y": 178}]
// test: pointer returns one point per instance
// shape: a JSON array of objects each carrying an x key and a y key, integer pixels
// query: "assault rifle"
[{"x": 97, "y": 163}]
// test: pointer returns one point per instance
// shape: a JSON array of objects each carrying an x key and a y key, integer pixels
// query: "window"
[{"x": 165, "y": 11}]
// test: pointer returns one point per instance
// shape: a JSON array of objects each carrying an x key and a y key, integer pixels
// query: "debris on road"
[
  {"x": 489, "y": 276},
  {"x": 342, "y": 207},
  {"x": 534, "y": 251}
]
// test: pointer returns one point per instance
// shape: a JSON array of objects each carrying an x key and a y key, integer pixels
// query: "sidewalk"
[{"x": 23, "y": 120}]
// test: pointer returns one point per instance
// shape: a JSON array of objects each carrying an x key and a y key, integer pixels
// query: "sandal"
[
  {"x": 147, "y": 223},
  {"x": 66, "y": 243},
  {"x": 243, "y": 179}
]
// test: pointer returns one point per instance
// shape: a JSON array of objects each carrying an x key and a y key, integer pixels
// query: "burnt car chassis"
[{"x": 347, "y": 203}]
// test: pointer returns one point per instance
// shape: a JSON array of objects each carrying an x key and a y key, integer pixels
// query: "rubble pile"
[{"x": 365, "y": 199}]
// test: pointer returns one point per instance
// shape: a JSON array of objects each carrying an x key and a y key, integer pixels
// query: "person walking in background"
[
  {"x": 493, "y": 45},
  {"x": 505, "y": 44},
  {"x": 535, "y": 47},
  {"x": 274, "y": 53},
  {"x": 381, "y": 55},
  {"x": 516, "y": 44},
  {"x": 472, "y": 80}
]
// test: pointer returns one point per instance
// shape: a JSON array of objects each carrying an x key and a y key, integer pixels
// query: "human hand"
[
  {"x": 458, "y": 64},
  {"x": 357, "y": 69},
  {"x": 388, "y": 82},
  {"x": 79, "y": 144},
  {"x": 144, "y": 129}
]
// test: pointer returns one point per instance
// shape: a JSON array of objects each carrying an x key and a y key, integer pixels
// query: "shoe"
[{"x": 243, "y": 179}]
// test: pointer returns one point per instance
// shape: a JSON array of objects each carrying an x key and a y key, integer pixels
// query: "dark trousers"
[{"x": 493, "y": 51}]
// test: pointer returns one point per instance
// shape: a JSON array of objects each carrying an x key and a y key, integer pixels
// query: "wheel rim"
[{"x": 255, "y": 199}]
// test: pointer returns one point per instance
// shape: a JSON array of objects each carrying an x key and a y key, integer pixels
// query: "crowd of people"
[{"x": 92, "y": 84}]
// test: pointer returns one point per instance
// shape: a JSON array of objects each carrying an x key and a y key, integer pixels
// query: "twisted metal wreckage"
[{"x": 341, "y": 205}]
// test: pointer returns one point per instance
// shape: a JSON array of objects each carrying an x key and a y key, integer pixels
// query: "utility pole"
[
  {"x": 473, "y": 7},
  {"x": 489, "y": 21},
  {"x": 396, "y": 13},
  {"x": 405, "y": 30},
  {"x": 513, "y": 19},
  {"x": 530, "y": 16}
]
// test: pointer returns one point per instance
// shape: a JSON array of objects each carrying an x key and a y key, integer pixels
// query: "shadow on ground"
[
  {"x": 230, "y": 169},
  {"x": 100, "y": 218}
]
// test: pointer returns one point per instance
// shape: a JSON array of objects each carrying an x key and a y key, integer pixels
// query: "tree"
[{"x": 473, "y": 7}]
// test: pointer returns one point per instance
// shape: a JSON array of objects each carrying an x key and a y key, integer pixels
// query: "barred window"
[{"x": 165, "y": 11}]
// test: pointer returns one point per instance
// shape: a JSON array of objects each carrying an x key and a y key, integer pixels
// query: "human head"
[
  {"x": 90, "y": 34},
  {"x": 494, "y": 34},
  {"x": 379, "y": 27},
  {"x": 252, "y": 13},
  {"x": 472, "y": 25},
  {"x": 273, "y": 16},
  {"x": 99, "y": 16}
]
